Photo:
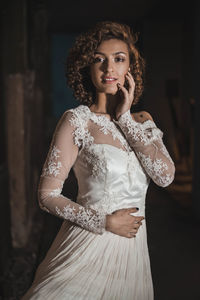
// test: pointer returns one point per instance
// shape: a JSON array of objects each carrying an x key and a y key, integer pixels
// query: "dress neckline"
[
  {"x": 106, "y": 125},
  {"x": 101, "y": 116}
]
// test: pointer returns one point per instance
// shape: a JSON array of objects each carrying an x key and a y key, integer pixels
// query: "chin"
[{"x": 112, "y": 91}]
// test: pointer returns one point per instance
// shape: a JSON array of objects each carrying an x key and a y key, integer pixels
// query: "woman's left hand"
[{"x": 126, "y": 96}]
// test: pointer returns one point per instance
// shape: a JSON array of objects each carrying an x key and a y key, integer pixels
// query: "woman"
[{"x": 101, "y": 249}]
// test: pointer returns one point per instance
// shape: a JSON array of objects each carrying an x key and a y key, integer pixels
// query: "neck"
[{"x": 105, "y": 104}]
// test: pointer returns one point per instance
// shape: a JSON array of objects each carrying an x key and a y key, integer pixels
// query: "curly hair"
[{"x": 81, "y": 56}]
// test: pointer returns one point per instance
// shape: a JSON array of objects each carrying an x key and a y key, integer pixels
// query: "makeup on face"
[{"x": 111, "y": 63}]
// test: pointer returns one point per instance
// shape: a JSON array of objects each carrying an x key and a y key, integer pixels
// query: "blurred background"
[{"x": 35, "y": 39}]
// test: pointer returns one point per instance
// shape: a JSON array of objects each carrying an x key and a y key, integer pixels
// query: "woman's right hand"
[{"x": 122, "y": 223}]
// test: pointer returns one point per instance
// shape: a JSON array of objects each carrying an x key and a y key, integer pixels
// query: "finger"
[
  {"x": 131, "y": 77},
  {"x": 131, "y": 84},
  {"x": 131, "y": 234},
  {"x": 133, "y": 231},
  {"x": 136, "y": 226},
  {"x": 138, "y": 218},
  {"x": 123, "y": 89},
  {"x": 132, "y": 210},
  {"x": 137, "y": 221},
  {"x": 139, "y": 224}
]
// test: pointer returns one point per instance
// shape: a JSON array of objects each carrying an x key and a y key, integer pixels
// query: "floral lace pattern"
[
  {"x": 105, "y": 206},
  {"x": 146, "y": 132},
  {"x": 81, "y": 116},
  {"x": 156, "y": 160},
  {"x": 143, "y": 148},
  {"x": 79, "y": 120},
  {"x": 106, "y": 126},
  {"x": 165, "y": 152},
  {"x": 55, "y": 192},
  {"x": 155, "y": 169},
  {"x": 53, "y": 165},
  {"x": 95, "y": 161},
  {"x": 84, "y": 217}
]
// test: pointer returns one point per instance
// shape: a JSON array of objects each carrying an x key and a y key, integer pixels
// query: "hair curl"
[{"x": 81, "y": 57}]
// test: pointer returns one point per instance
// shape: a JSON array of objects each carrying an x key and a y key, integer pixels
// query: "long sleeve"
[
  {"x": 61, "y": 157},
  {"x": 146, "y": 140}
]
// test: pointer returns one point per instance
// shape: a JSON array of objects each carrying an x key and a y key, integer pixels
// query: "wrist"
[
  {"x": 108, "y": 223},
  {"x": 119, "y": 115}
]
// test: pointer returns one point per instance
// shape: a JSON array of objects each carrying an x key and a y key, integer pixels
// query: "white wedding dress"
[{"x": 113, "y": 162}]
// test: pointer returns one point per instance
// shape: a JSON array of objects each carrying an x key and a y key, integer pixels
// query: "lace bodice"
[{"x": 112, "y": 160}]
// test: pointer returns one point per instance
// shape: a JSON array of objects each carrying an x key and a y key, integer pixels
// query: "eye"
[
  {"x": 98, "y": 59},
  {"x": 119, "y": 59}
]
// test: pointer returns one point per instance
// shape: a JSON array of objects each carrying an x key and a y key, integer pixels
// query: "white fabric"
[{"x": 85, "y": 261}]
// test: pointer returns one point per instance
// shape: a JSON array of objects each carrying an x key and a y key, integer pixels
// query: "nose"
[{"x": 109, "y": 66}]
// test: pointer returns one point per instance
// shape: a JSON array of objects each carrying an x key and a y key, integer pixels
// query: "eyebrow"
[{"x": 116, "y": 53}]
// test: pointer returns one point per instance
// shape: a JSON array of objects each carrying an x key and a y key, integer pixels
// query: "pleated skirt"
[{"x": 81, "y": 265}]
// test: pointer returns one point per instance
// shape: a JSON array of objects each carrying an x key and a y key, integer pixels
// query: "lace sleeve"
[
  {"x": 61, "y": 157},
  {"x": 146, "y": 140}
]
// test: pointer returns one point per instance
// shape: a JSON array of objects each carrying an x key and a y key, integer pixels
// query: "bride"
[{"x": 101, "y": 251}]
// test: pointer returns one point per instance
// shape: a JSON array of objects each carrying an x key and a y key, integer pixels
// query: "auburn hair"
[{"x": 81, "y": 56}]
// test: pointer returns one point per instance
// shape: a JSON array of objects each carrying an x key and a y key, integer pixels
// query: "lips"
[{"x": 109, "y": 79}]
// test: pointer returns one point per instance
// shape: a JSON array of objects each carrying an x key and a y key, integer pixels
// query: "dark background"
[{"x": 35, "y": 38}]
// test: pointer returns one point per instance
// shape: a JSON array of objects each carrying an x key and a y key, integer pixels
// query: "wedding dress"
[{"x": 113, "y": 162}]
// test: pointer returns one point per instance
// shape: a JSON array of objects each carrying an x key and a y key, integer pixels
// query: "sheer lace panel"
[
  {"x": 95, "y": 161},
  {"x": 97, "y": 129},
  {"x": 108, "y": 133},
  {"x": 78, "y": 130},
  {"x": 146, "y": 140},
  {"x": 70, "y": 135}
]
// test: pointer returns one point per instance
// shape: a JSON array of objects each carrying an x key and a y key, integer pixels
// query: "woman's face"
[{"x": 111, "y": 64}]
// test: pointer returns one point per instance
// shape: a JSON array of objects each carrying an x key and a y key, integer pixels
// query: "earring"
[{"x": 129, "y": 69}]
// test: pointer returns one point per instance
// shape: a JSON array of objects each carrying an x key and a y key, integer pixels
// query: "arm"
[
  {"x": 61, "y": 157},
  {"x": 146, "y": 140}
]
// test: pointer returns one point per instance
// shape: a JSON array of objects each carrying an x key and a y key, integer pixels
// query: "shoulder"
[
  {"x": 76, "y": 116},
  {"x": 74, "y": 121},
  {"x": 81, "y": 112},
  {"x": 141, "y": 116}
]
